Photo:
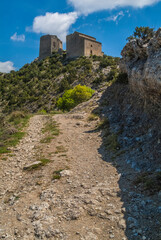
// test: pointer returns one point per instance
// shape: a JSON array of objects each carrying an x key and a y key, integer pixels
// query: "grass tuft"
[
  {"x": 46, "y": 139},
  {"x": 60, "y": 149},
  {"x": 111, "y": 142},
  {"x": 93, "y": 117},
  {"x": 56, "y": 174},
  {"x": 50, "y": 130},
  {"x": 43, "y": 162},
  {"x": 149, "y": 181},
  {"x": 104, "y": 123},
  {"x": 11, "y": 130}
]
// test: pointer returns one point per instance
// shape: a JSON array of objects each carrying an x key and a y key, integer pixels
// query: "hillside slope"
[
  {"x": 77, "y": 183},
  {"x": 37, "y": 85},
  {"x": 93, "y": 173}
]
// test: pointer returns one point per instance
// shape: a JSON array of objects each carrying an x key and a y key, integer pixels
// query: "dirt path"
[{"x": 84, "y": 204}]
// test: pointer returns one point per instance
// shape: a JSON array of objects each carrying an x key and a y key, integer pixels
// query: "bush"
[
  {"x": 16, "y": 116},
  {"x": 122, "y": 78},
  {"x": 73, "y": 97},
  {"x": 108, "y": 61},
  {"x": 144, "y": 33},
  {"x": 35, "y": 85}
]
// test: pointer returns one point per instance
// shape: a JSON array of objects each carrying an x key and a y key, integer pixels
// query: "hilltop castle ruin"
[
  {"x": 78, "y": 44},
  {"x": 48, "y": 45}
]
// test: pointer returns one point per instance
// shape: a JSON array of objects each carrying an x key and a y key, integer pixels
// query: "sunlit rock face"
[{"x": 142, "y": 62}]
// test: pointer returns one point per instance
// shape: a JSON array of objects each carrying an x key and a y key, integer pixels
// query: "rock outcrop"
[{"x": 142, "y": 62}]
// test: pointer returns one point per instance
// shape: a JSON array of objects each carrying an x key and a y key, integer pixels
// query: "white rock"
[
  {"x": 32, "y": 165},
  {"x": 122, "y": 224},
  {"x": 65, "y": 173}
]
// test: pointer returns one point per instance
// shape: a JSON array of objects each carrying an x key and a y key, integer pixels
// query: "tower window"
[
  {"x": 91, "y": 46},
  {"x": 54, "y": 44}
]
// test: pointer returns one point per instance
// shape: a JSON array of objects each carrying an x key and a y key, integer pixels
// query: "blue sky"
[{"x": 111, "y": 22}]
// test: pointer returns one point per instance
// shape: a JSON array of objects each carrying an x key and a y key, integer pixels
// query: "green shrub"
[
  {"x": 73, "y": 97},
  {"x": 42, "y": 112},
  {"x": 122, "y": 78},
  {"x": 11, "y": 127},
  {"x": 16, "y": 116},
  {"x": 144, "y": 33},
  {"x": 100, "y": 79},
  {"x": 56, "y": 174},
  {"x": 112, "y": 75},
  {"x": 35, "y": 85},
  {"x": 108, "y": 61}
]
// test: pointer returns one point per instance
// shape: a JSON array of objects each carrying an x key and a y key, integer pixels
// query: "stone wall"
[
  {"x": 79, "y": 44},
  {"x": 74, "y": 46},
  {"x": 142, "y": 62},
  {"x": 92, "y": 48},
  {"x": 49, "y": 44},
  {"x": 45, "y": 47},
  {"x": 56, "y": 44}
]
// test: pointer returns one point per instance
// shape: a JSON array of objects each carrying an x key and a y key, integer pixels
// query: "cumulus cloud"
[
  {"x": 54, "y": 24},
  {"x": 89, "y": 6},
  {"x": 6, "y": 67},
  {"x": 18, "y": 38}
]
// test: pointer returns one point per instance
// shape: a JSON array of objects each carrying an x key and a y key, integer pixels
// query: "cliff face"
[{"x": 142, "y": 62}]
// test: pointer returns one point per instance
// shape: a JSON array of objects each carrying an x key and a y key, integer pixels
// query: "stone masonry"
[
  {"x": 79, "y": 44},
  {"x": 48, "y": 45}
]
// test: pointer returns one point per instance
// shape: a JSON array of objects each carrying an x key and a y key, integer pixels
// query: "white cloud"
[
  {"x": 54, "y": 24},
  {"x": 6, "y": 67},
  {"x": 89, "y": 6},
  {"x": 116, "y": 18},
  {"x": 18, "y": 38}
]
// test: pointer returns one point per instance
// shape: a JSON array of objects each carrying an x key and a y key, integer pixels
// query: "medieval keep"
[
  {"x": 77, "y": 44},
  {"x": 48, "y": 45}
]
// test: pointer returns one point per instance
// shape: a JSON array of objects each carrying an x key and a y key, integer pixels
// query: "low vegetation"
[
  {"x": 103, "y": 124},
  {"x": 111, "y": 142},
  {"x": 144, "y": 33},
  {"x": 36, "y": 86},
  {"x": 41, "y": 162},
  {"x": 92, "y": 117},
  {"x": 11, "y": 129},
  {"x": 110, "y": 139},
  {"x": 122, "y": 78},
  {"x": 73, "y": 97},
  {"x": 56, "y": 174},
  {"x": 51, "y": 129},
  {"x": 60, "y": 149},
  {"x": 149, "y": 181},
  {"x": 45, "y": 85}
]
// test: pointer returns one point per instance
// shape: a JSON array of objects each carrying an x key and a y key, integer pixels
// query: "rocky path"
[
  {"x": 13, "y": 180},
  {"x": 76, "y": 196}
]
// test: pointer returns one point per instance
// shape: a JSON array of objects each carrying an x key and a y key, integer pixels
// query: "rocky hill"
[
  {"x": 141, "y": 61},
  {"x": 93, "y": 173},
  {"x": 38, "y": 85}
]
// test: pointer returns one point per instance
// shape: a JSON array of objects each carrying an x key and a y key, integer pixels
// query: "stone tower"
[
  {"x": 79, "y": 44},
  {"x": 48, "y": 45}
]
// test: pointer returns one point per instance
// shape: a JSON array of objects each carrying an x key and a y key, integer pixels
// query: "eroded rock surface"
[{"x": 142, "y": 62}]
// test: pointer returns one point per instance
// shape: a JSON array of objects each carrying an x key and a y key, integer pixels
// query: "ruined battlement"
[{"x": 77, "y": 44}]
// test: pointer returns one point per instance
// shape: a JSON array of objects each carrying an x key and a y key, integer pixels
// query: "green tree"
[{"x": 144, "y": 33}]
